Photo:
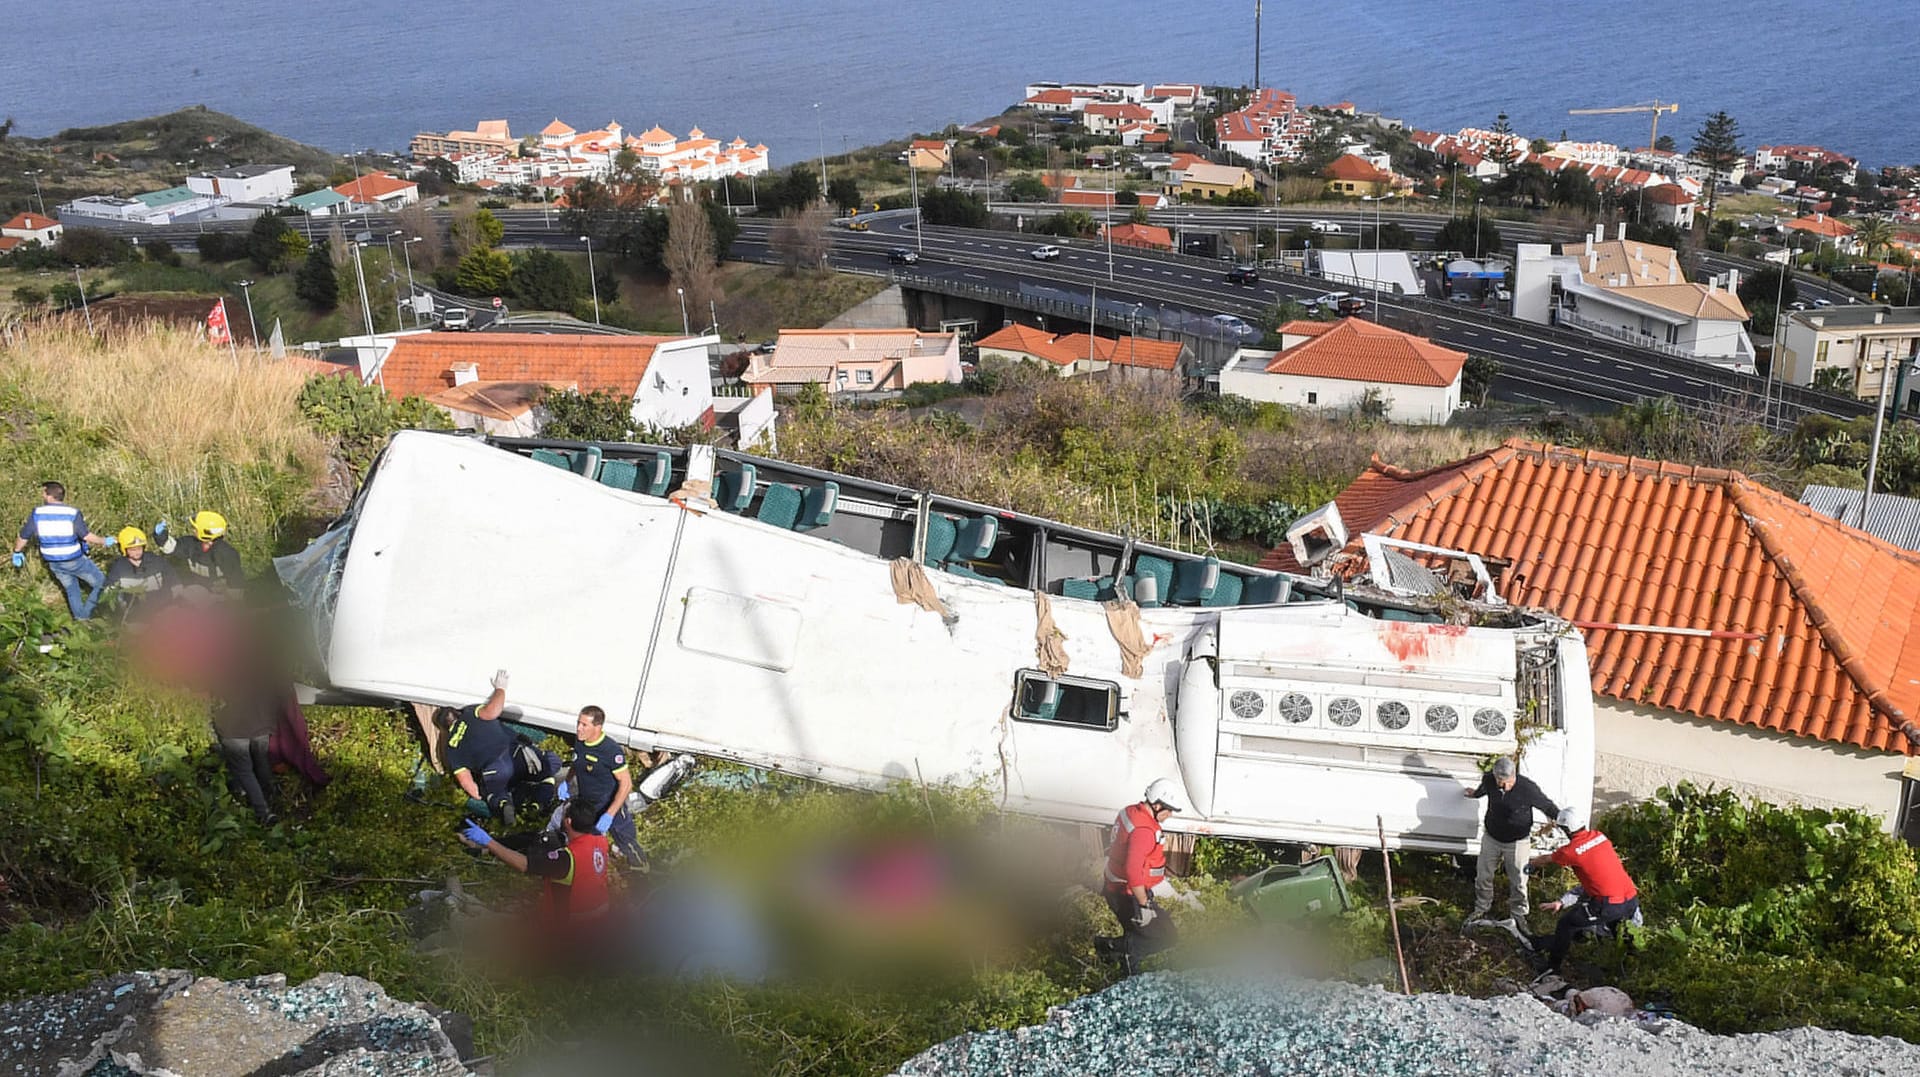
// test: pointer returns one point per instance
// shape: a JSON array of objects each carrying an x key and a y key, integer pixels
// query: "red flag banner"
[{"x": 217, "y": 330}]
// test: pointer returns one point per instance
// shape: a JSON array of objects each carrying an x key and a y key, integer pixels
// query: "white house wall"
[
  {"x": 677, "y": 388},
  {"x": 1640, "y": 749},
  {"x": 1406, "y": 403}
]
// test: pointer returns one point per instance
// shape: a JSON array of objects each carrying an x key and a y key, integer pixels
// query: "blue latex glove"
[
  {"x": 605, "y": 822},
  {"x": 19, "y": 559},
  {"x": 473, "y": 833},
  {"x": 109, "y": 543},
  {"x": 564, "y": 791},
  {"x": 160, "y": 530}
]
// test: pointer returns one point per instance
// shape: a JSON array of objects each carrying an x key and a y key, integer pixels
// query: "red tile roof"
[
  {"x": 8, "y": 243},
  {"x": 1603, "y": 538},
  {"x": 1142, "y": 235},
  {"x": 1354, "y": 349},
  {"x": 1123, "y": 110},
  {"x": 1669, "y": 194},
  {"x": 30, "y": 222},
  {"x": 935, "y": 144},
  {"x": 1082, "y": 197},
  {"x": 421, "y": 364},
  {"x": 1355, "y": 169},
  {"x": 373, "y": 186},
  {"x": 1820, "y": 226},
  {"x": 1052, "y": 97},
  {"x": 1143, "y": 352}
]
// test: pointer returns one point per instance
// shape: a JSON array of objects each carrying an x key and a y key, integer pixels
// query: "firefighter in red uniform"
[
  {"x": 1136, "y": 864},
  {"x": 1608, "y": 895},
  {"x": 575, "y": 870}
]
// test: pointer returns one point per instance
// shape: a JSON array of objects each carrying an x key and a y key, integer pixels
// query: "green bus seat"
[
  {"x": 733, "y": 490},
  {"x": 1153, "y": 580},
  {"x": 1194, "y": 582},
  {"x": 780, "y": 505},
  {"x": 816, "y": 506}
]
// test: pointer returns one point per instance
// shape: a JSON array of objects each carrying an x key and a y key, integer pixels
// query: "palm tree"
[{"x": 1873, "y": 234}]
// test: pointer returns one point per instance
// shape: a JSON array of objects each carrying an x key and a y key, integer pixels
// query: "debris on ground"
[
  {"x": 1198, "y": 1025},
  {"x": 175, "y": 1023}
]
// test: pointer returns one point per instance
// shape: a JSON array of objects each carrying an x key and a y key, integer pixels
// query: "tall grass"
[{"x": 150, "y": 420}]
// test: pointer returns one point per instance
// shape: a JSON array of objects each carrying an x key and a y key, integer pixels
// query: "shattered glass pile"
[{"x": 1212, "y": 1026}]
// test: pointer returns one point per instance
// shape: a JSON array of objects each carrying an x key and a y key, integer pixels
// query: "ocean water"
[{"x": 370, "y": 73}]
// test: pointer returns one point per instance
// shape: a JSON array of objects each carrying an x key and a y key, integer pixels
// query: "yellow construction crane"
[{"x": 1655, "y": 107}]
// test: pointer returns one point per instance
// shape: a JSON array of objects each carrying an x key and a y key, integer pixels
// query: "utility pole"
[
  {"x": 595, "y": 281},
  {"x": 819, "y": 127},
  {"x": 246, "y": 290},
  {"x": 360, "y": 272},
  {"x": 1879, "y": 417},
  {"x": 1256, "y": 48},
  {"x": 919, "y": 226},
  {"x": 82, "y": 285}
]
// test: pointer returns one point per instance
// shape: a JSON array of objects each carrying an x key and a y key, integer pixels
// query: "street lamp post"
[
  {"x": 409, "y": 256},
  {"x": 686, "y": 328},
  {"x": 35, "y": 173},
  {"x": 1108, "y": 169},
  {"x": 1376, "y": 199},
  {"x": 593, "y": 280},
  {"x": 819, "y": 127},
  {"x": 1476, "y": 229},
  {"x": 360, "y": 273},
  {"x": 246, "y": 292},
  {"x": 919, "y": 226}
]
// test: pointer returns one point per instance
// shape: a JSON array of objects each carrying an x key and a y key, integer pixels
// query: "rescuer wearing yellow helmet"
[
  {"x": 136, "y": 580},
  {"x": 210, "y": 560}
]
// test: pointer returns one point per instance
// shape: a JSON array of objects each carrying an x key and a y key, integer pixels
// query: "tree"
[
  {"x": 689, "y": 256},
  {"x": 1504, "y": 148},
  {"x": 91, "y": 247},
  {"x": 264, "y": 246},
  {"x": 1476, "y": 377},
  {"x": 219, "y": 246},
  {"x": 430, "y": 253},
  {"x": 475, "y": 230},
  {"x": 162, "y": 252},
  {"x": 542, "y": 280},
  {"x": 601, "y": 415},
  {"x": 801, "y": 238},
  {"x": 1763, "y": 285},
  {"x": 1874, "y": 234},
  {"x": 1462, "y": 234},
  {"x": 1665, "y": 144},
  {"x": 315, "y": 284},
  {"x": 483, "y": 272},
  {"x": 956, "y": 208},
  {"x": 1716, "y": 147},
  {"x": 1242, "y": 196},
  {"x": 1068, "y": 224},
  {"x": 796, "y": 189},
  {"x": 1027, "y": 187},
  {"x": 1573, "y": 188},
  {"x": 1392, "y": 237},
  {"x": 845, "y": 193},
  {"x": 1837, "y": 379},
  {"x": 65, "y": 295},
  {"x": 30, "y": 297}
]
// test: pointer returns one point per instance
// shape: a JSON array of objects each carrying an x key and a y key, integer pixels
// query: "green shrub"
[{"x": 360, "y": 418}]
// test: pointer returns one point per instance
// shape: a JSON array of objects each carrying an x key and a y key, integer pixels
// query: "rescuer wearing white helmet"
[
  {"x": 1606, "y": 895},
  {"x": 1136, "y": 863},
  {"x": 209, "y": 559}
]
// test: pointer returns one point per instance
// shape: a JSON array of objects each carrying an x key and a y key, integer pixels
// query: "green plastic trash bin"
[{"x": 1289, "y": 892}]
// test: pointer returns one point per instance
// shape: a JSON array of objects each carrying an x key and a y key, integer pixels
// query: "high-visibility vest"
[
  {"x": 586, "y": 884},
  {"x": 56, "y": 529},
  {"x": 1136, "y": 861}
]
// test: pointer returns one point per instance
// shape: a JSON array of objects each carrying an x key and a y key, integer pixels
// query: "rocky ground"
[
  {"x": 174, "y": 1023},
  {"x": 1203, "y": 1026}
]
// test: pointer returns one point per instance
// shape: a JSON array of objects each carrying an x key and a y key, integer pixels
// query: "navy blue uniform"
[
  {"x": 596, "y": 777},
  {"x": 480, "y": 746}
]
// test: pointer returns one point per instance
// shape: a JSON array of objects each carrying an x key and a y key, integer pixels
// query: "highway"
[{"x": 1539, "y": 365}]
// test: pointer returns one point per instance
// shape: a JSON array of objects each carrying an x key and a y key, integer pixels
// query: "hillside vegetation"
[
  {"x": 144, "y": 155},
  {"x": 122, "y": 849}
]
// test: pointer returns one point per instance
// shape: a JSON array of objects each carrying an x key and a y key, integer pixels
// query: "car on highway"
[
  {"x": 1823, "y": 302},
  {"x": 1243, "y": 275},
  {"x": 857, "y": 226},
  {"x": 455, "y": 318},
  {"x": 1331, "y": 300},
  {"x": 1231, "y": 325},
  {"x": 1797, "y": 305},
  {"x": 1350, "y": 306},
  {"x": 1045, "y": 253},
  {"x": 902, "y": 256},
  {"x": 1326, "y": 226}
]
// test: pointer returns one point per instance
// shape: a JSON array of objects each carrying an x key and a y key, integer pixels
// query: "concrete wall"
[
  {"x": 1641, "y": 749},
  {"x": 1405, "y": 403},
  {"x": 887, "y": 310}
]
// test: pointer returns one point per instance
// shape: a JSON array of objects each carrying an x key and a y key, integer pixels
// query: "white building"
[
  {"x": 1868, "y": 342},
  {"x": 1633, "y": 293},
  {"x": 245, "y": 183},
  {"x": 1336, "y": 366},
  {"x": 102, "y": 207},
  {"x": 31, "y": 228}
]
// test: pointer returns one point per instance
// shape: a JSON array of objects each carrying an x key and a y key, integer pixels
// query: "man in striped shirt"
[{"x": 63, "y": 537}]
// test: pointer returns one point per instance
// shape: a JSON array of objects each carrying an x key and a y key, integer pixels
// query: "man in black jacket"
[{"x": 1511, "y": 802}]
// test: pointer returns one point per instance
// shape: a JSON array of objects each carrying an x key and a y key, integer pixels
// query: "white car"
[
  {"x": 1326, "y": 226},
  {"x": 1228, "y": 323},
  {"x": 1331, "y": 300},
  {"x": 454, "y": 318},
  {"x": 1046, "y": 253}
]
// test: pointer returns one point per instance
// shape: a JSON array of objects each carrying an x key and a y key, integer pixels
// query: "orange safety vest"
[{"x": 1138, "y": 853}]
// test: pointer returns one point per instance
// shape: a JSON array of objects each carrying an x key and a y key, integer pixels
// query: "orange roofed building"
[
  {"x": 493, "y": 381},
  {"x": 856, "y": 360},
  {"x": 1807, "y": 691},
  {"x": 1338, "y": 365},
  {"x": 1077, "y": 353}
]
